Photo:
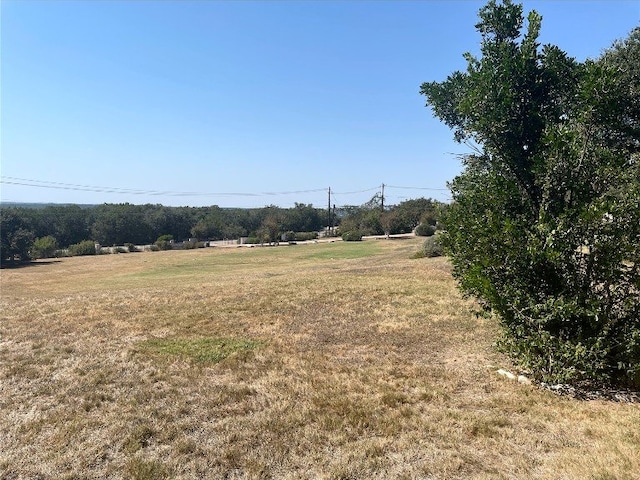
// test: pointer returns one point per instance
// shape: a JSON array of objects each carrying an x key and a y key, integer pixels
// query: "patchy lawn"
[{"x": 318, "y": 361}]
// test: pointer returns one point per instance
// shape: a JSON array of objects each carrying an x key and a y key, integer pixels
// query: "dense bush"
[
  {"x": 425, "y": 230},
  {"x": 545, "y": 226},
  {"x": 163, "y": 245},
  {"x": 164, "y": 242},
  {"x": 305, "y": 236},
  {"x": 352, "y": 236},
  {"x": 86, "y": 247},
  {"x": 44, "y": 247},
  {"x": 432, "y": 247}
]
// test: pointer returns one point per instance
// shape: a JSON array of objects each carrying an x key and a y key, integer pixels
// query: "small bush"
[
  {"x": 130, "y": 247},
  {"x": 164, "y": 242},
  {"x": 252, "y": 240},
  {"x": 163, "y": 245},
  {"x": 120, "y": 250},
  {"x": 304, "y": 236},
  {"x": 432, "y": 247},
  {"x": 425, "y": 230},
  {"x": 352, "y": 236},
  {"x": 86, "y": 247},
  {"x": 44, "y": 247}
]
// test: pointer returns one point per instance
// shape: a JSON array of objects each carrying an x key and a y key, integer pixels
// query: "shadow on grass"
[{"x": 39, "y": 263}]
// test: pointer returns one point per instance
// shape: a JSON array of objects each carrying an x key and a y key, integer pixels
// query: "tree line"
[{"x": 27, "y": 231}]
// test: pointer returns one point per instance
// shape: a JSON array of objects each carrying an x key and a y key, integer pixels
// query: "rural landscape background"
[
  {"x": 329, "y": 360},
  {"x": 40, "y": 230},
  {"x": 490, "y": 333}
]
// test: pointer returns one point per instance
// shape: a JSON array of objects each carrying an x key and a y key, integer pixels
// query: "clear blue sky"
[{"x": 207, "y": 98}]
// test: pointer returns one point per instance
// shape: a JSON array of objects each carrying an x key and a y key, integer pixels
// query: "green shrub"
[
  {"x": 425, "y": 230},
  {"x": 86, "y": 247},
  {"x": 130, "y": 247},
  {"x": 305, "y": 236},
  {"x": 164, "y": 242},
  {"x": 544, "y": 225},
  {"x": 352, "y": 236},
  {"x": 44, "y": 247},
  {"x": 432, "y": 247}
]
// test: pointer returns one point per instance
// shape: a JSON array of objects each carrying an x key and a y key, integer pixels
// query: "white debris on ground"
[
  {"x": 519, "y": 378},
  {"x": 580, "y": 393}
]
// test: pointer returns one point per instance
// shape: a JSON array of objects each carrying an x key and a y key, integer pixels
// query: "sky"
[{"x": 245, "y": 103}]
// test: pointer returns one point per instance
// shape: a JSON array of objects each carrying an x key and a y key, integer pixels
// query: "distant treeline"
[{"x": 119, "y": 224}]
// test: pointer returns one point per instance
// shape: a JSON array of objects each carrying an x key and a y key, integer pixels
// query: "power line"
[
  {"x": 83, "y": 188},
  {"x": 26, "y": 182},
  {"x": 359, "y": 191},
  {"x": 419, "y": 188},
  {"x": 93, "y": 188}
]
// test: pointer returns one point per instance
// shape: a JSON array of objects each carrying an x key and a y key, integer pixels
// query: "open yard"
[{"x": 319, "y": 361}]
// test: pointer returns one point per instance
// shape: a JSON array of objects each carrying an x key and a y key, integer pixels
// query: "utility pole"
[
  {"x": 333, "y": 218},
  {"x": 329, "y": 213},
  {"x": 382, "y": 201}
]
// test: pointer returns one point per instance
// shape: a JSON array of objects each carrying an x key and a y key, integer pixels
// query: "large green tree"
[
  {"x": 210, "y": 226},
  {"x": 16, "y": 236},
  {"x": 545, "y": 225},
  {"x": 303, "y": 218}
]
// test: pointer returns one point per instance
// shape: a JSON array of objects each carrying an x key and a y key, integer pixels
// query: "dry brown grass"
[{"x": 365, "y": 364}]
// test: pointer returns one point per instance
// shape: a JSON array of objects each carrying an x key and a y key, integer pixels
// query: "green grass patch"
[
  {"x": 203, "y": 350},
  {"x": 342, "y": 251},
  {"x": 196, "y": 267},
  {"x": 210, "y": 264}
]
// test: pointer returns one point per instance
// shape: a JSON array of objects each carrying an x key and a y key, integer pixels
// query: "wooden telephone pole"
[{"x": 329, "y": 213}]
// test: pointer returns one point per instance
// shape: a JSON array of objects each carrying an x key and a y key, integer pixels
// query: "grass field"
[{"x": 320, "y": 361}]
